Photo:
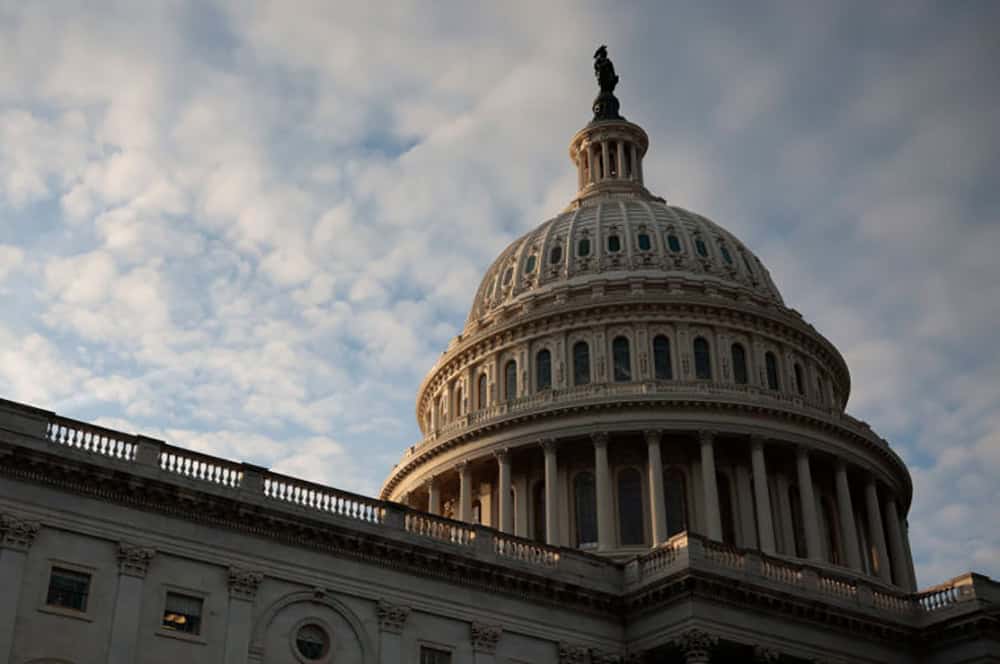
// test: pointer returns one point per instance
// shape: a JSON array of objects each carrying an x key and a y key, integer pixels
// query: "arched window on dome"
[
  {"x": 529, "y": 265},
  {"x": 457, "y": 409},
  {"x": 581, "y": 363},
  {"x": 621, "y": 359},
  {"x": 674, "y": 243},
  {"x": 438, "y": 412},
  {"x": 830, "y": 532},
  {"x": 746, "y": 262},
  {"x": 700, "y": 247},
  {"x": 702, "y": 359},
  {"x": 727, "y": 516},
  {"x": 614, "y": 244},
  {"x": 726, "y": 256},
  {"x": 771, "y": 368},
  {"x": 482, "y": 391},
  {"x": 740, "y": 374},
  {"x": 538, "y": 511},
  {"x": 543, "y": 370},
  {"x": 675, "y": 495},
  {"x": 661, "y": 358},
  {"x": 510, "y": 380},
  {"x": 583, "y": 247},
  {"x": 798, "y": 524},
  {"x": 630, "y": 516},
  {"x": 820, "y": 389},
  {"x": 555, "y": 254},
  {"x": 800, "y": 385},
  {"x": 644, "y": 242},
  {"x": 585, "y": 502}
]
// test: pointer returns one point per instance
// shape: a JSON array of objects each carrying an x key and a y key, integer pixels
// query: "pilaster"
[
  {"x": 391, "y": 623},
  {"x": 243, "y": 586},
  {"x": 549, "y": 448},
  {"x": 712, "y": 518},
  {"x": 696, "y": 645},
  {"x": 16, "y": 538},
  {"x": 485, "y": 638},
  {"x": 605, "y": 500},
  {"x": 133, "y": 563}
]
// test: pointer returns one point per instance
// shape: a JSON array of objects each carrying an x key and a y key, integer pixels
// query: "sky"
[{"x": 250, "y": 228}]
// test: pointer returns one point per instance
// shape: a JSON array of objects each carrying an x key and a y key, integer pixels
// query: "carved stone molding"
[
  {"x": 485, "y": 637},
  {"x": 17, "y": 534},
  {"x": 696, "y": 644},
  {"x": 600, "y": 438},
  {"x": 243, "y": 583},
  {"x": 571, "y": 654},
  {"x": 391, "y": 617},
  {"x": 706, "y": 436},
  {"x": 134, "y": 560},
  {"x": 652, "y": 436},
  {"x": 765, "y": 654},
  {"x": 502, "y": 455}
]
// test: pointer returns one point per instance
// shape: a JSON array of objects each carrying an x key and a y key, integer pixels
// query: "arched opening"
[
  {"x": 482, "y": 391},
  {"x": 675, "y": 495},
  {"x": 726, "y": 514},
  {"x": 458, "y": 400},
  {"x": 739, "y": 364},
  {"x": 585, "y": 503},
  {"x": 800, "y": 385},
  {"x": 510, "y": 380},
  {"x": 543, "y": 370},
  {"x": 621, "y": 359},
  {"x": 581, "y": 363},
  {"x": 630, "y": 516},
  {"x": 798, "y": 524},
  {"x": 661, "y": 358},
  {"x": 771, "y": 369},
  {"x": 702, "y": 359},
  {"x": 538, "y": 511}
]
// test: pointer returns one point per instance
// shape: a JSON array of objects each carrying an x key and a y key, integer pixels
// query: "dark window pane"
[
  {"x": 644, "y": 242},
  {"x": 581, "y": 363},
  {"x": 700, "y": 247},
  {"x": 614, "y": 243},
  {"x": 68, "y": 589},
  {"x": 630, "y": 516},
  {"x": 434, "y": 656},
  {"x": 555, "y": 255},
  {"x": 739, "y": 365},
  {"x": 182, "y": 613},
  {"x": 661, "y": 358},
  {"x": 583, "y": 248},
  {"x": 800, "y": 385},
  {"x": 482, "y": 391},
  {"x": 676, "y": 497},
  {"x": 621, "y": 359},
  {"x": 585, "y": 500},
  {"x": 746, "y": 262},
  {"x": 510, "y": 380},
  {"x": 702, "y": 359},
  {"x": 771, "y": 367},
  {"x": 725, "y": 254},
  {"x": 798, "y": 527},
  {"x": 543, "y": 369},
  {"x": 529, "y": 265},
  {"x": 311, "y": 642},
  {"x": 674, "y": 243}
]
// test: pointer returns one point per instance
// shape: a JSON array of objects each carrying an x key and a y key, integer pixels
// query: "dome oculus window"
[
  {"x": 312, "y": 643},
  {"x": 614, "y": 243},
  {"x": 555, "y": 255},
  {"x": 674, "y": 243},
  {"x": 645, "y": 244},
  {"x": 700, "y": 247},
  {"x": 529, "y": 265},
  {"x": 583, "y": 248}
]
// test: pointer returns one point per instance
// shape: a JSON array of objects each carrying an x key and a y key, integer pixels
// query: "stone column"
[
  {"x": 465, "y": 492},
  {"x": 484, "y": 642},
  {"x": 605, "y": 171},
  {"x": 696, "y": 646},
  {"x": 243, "y": 586},
  {"x": 621, "y": 159},
  {"x": 391, "y": 622},
  {"x": 605, "y": 496},
  {"x": 579, "y": 170},
  {"x": 521, "y": 493},
  {"x": 634, "y": 175},
  {"x": 16, "y": 537},
  {"x": 551, "y": 493},
  {"x": 712, "y": 519},
  {"x": 762, "y": 497},
  {"x": 433, "y": 496},
  {"x": 848, "y": 530},
  {"x": 897, "y": 552},
  {"x": 876, "y": 533},
  {"x": 909, "y": 556},
  {"x": 133, "y": 562},
  {"x": 505, "y": 506},
  {"x": 592, "y": 163},
  {"x": 746, "y": 531},
  {"x": 807, "y": 498},
  {"x": 657, "y": 504},
  {"x": 785, "y": 514}
]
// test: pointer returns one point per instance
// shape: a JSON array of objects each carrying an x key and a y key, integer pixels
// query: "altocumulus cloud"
[{"x": 249, "y": 228}]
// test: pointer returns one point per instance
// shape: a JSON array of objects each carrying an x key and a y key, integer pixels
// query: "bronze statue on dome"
[{"x": 606, "y": 104}]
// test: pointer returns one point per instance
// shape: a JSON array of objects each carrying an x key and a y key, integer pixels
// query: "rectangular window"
[
  {"x": 182, "y": 613},
  {"x": 68, "y": 589},
  {"x": 434, "y": 656}
]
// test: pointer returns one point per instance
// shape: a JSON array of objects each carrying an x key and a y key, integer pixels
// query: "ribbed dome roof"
[{"x": 621, "y": 238}]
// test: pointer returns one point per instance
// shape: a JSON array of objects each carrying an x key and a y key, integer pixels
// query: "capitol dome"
[{"x": 629, "y": 373}]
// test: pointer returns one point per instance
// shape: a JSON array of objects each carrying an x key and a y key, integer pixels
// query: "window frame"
[
  {"x": 201, "y": 637},
  {"x": 87, "y": 614},
  {"x": 436, "y": 646},
  {"x": 590, "y": 373},
  {"x": 708, "y": 355},
  {"x": 539, "y": 387},
  {"x": 669, "y": 353},
  {"x": 614, "y": 360},
  {"x": 322, "y": 625},
  {"x": 744, "y": 364}
]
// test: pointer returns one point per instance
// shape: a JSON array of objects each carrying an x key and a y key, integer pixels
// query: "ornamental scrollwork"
[
  {"x": 391, "y": 617},
  {"x": 17, "y": 534},
  {"x": 485, "y": 637},
  {"x": 134, "y": 560},
  {"x": 243, "y": 583},
  {"x": 571, "y": 654},
  {"x": 696, "y": 644},
  {"x": 765, "y": 654}
]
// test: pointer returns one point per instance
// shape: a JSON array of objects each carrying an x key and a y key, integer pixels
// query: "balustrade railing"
[
  {"x": 832, "y": 585},
  {"x": 892, "y": 602},
  {"x": 525, "y": 550},
  {"x": 91, "y": 438},
  {"x": 195, "y": 466},
  {"x": 724, "y": 554},
  {"x": 941, "y": 597},
  {"x": 781, "y": 572},
  {"x": 438, "y": 528},
  {"x": 323, "y": 499}
]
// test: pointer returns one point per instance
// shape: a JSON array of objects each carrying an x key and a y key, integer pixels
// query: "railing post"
[
  {"x": 395, "y": 516},
  {"x": 865, "y": 595},
  {"x": 810, "y": 579},
  {"x": 253, "y": 479},
  {"x": 753, "y": 564},
  {"x": 147, "y": 451},
  {"x": 484, "y": 543}
]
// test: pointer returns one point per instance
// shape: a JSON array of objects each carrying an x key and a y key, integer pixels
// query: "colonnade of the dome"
[{"x": 608, "y": 153}]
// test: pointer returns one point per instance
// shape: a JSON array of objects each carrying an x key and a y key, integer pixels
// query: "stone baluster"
[
  {"x": 897, "y": 552},
  {"x": 807, "y": 497},
  {"x": 16, "y": 537},
  {"x": 391, "y": 622},
  {"x": 464, "y": 492},
  {"x": 713, "y": 520},
  {"x": 762, "y": 497},
  {"x": 657, "y": 504},
  {"x": 605, "y": 500},
  {"x": 506, "y": 501},
  {"x": 848, "y": 529},
  {"x": 133, "y": 563},
  {"x": 876, "y": 534},
  {"x": 243, "y": 586},
  {"x": 551, "y": 493}
]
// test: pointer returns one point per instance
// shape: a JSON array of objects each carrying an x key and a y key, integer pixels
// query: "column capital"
[
  {"x": 430, "y": 482},
  {"x": 801, "y": 451},
  {"x": 549, "y": 445},
  {"x": 502, "y": 455},
  {"x": 485, "y": 637},
  {"x": 16, "y": 533},
  {"x": 600, "y": 438},
  {"x": 653, "y": 436},
  {"x": 706, "y": 436},
  {"x": 757, "y": 440},
  {"x": 840, "y": 465},
  {"x": 134, "y": 560},
  {"x": 765, "y": 654},
  {"x": 391, "y": 617},
  {"x": 696, "y": 644},
  {"x": 462, "y": 466},
  {"x": 572, "y": 654},
  {"x": 243, "y": 583}
]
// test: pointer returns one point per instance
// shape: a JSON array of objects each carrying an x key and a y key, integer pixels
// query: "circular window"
[{"x": 312, "y": 642}]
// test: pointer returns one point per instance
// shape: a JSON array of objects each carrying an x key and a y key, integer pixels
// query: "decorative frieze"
[
  {"x": 16, "y": 533},
  {"x": 485, "y": 637},
  {"x": 243, "y": 583},
  {"x": 391, "y": 617},
  {"x": 572, "y": 654},
  {"x": 133, "y": 560}
]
